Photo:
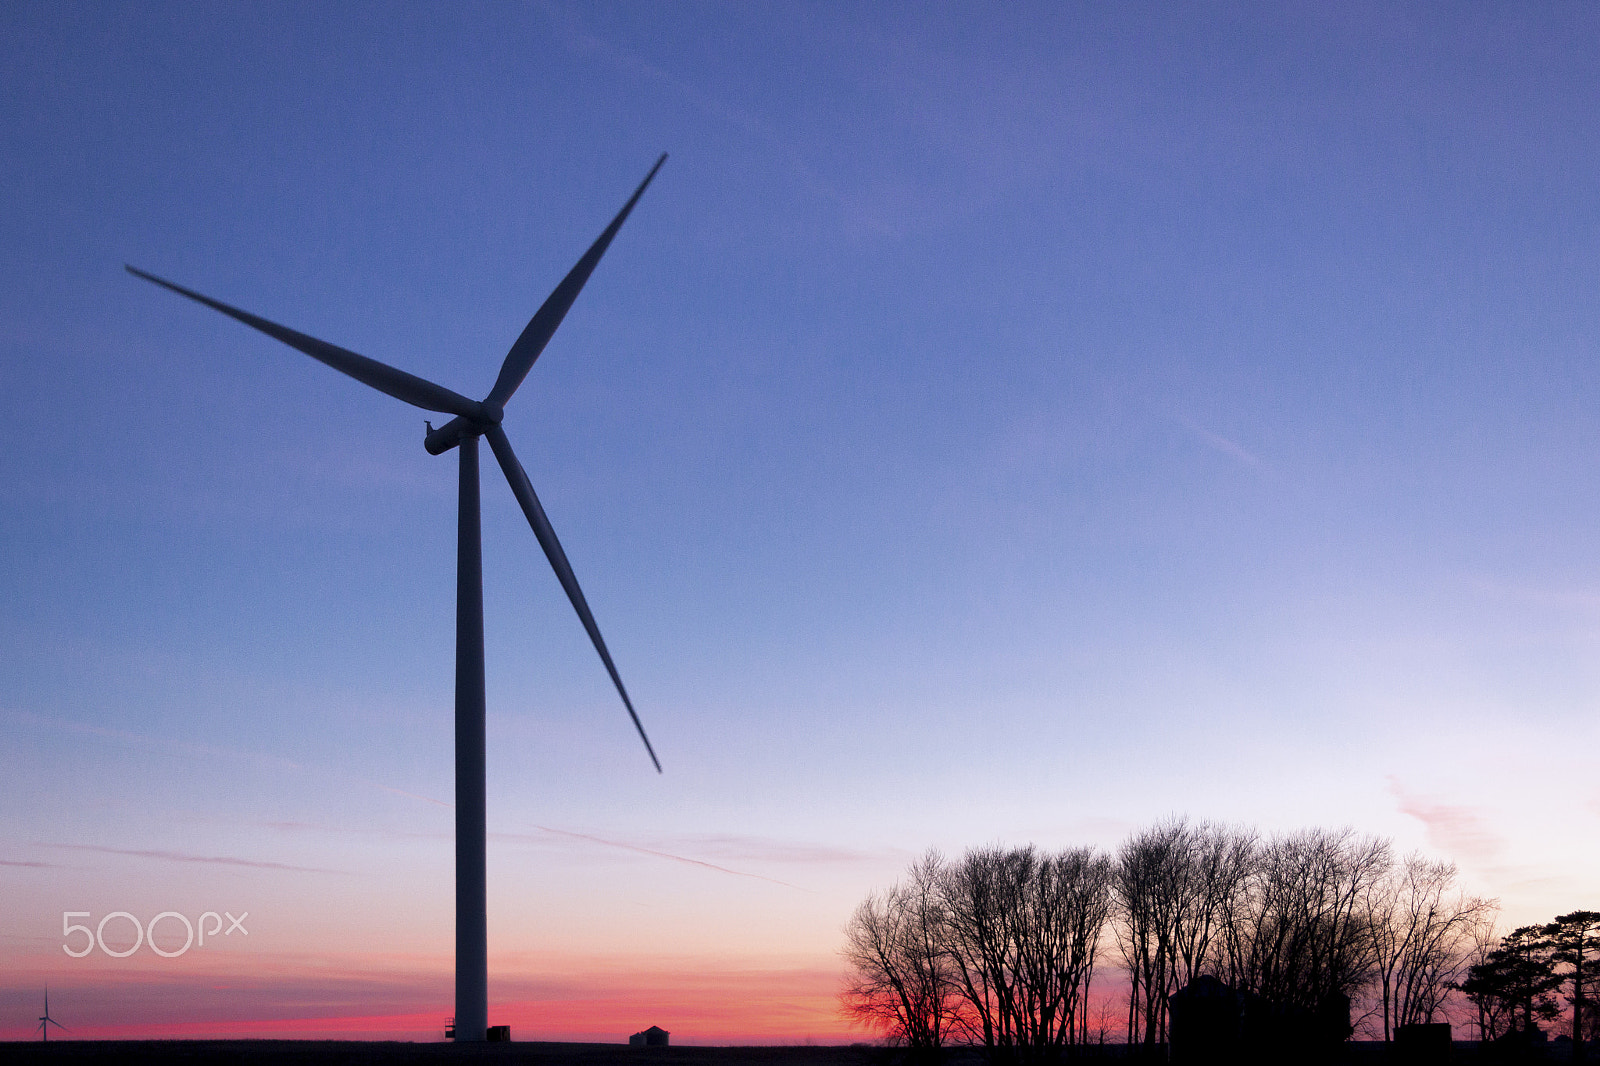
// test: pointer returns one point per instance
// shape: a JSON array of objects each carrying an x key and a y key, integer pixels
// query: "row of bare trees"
[
  {"x": 996, "y": 949},
  {"x": 999, "y": 947},
  {"x": 1300, "y": 920}
]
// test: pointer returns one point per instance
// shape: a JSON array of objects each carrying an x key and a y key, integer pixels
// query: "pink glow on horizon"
[
  {"x": 574, "y": 1021},
  {"x": 697, "y": 1003},
  {"x": 357, "y": 1027}
]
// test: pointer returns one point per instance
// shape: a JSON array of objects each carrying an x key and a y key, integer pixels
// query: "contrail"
[
  {"x": 276, "y": 762},
  {"x": 643, "y": 851},
  {"x": 178, "y": 856}
]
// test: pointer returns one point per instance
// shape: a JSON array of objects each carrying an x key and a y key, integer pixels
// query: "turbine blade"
[
  {"x": 523, "y": 490},
  {"x": 416, "y": 391},
  {"x": 543, "y": 325}
]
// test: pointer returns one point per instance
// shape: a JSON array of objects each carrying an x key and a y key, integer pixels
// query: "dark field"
[{"x": 395, "y": 1053}]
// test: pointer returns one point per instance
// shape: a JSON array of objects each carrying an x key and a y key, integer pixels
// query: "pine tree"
[
  {"x": 1518, "y": 978},
  {"x": 1574, "y": 942}
]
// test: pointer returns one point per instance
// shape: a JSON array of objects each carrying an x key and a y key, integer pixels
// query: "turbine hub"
[{"x": 441, "y": 439}]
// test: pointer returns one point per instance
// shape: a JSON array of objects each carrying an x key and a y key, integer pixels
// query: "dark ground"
[
  {"x": 533, "y": 1053},
  {"x": 396, "y": 1053}
]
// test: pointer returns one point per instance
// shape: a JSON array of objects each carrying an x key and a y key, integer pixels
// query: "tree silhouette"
[
  {"x": 1574, "y": 942},
  {"x": 1298, "y": 935},
  {"x": 1024, "y": 931},
  {"x": 1422, "y": 938},
  {"x": 1517, "y": 978},
  {"x": 901, "y": 979},
  {"x": 1173, "y": 885},
  {"x": 998, "y": 949}
]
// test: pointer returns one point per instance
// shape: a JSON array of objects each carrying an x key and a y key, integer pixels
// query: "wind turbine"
[
  {"x": 45, "y": 1021},
  {"x": 473, "y": 419}
]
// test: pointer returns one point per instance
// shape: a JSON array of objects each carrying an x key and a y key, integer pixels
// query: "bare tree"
[
  {"x": 979, "y": 892},
  {"x": 1070, "y": 905},
  {"x": 1222, "y": 858},
  {"x": 1148, "y": 879},
  {"x": 900, "y": 978},
  {"x": 1422, "y": 939},
  {"x": 1174, "y": 884},
  {"x": 1489, "y": 1008},
  {"x": 1024, "y": 932},
  {"x": 1298, "y": 935}
]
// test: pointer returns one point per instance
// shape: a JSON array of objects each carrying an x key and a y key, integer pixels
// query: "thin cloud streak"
[
  {"x": 767, "y": 849},
  {"x": 754, "y": 848},
  {"x": 390, "y": 834},
  {"x": 161, "y": 744},
  {"x": 207, "y": 752},
  {"x": 178, "y": 856},
  {"x": 414, "y": 795},
  {"x": 1217, "y": 442},
  {"x": 580, "y": 38},
  {"x": 1567, "y": 599},
  {"x": 639, "y": 850},
  {"x": 565, "y": 834}
]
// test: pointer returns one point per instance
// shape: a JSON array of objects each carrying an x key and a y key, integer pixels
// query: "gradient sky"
[{"x": 995, "y": 424}]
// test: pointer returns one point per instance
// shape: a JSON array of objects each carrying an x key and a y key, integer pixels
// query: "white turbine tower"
[{"x": 473, "y": 419}]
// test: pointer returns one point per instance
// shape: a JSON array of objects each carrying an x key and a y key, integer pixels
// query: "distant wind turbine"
[
  {"x": 45, "y": 1021},
  {"x": 473, "y": 419}
]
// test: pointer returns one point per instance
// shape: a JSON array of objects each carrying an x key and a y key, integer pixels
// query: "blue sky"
[{"x": 993, "y": 424}]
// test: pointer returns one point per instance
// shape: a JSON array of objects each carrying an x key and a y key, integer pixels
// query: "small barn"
[{"x": 655, "y": 1036}]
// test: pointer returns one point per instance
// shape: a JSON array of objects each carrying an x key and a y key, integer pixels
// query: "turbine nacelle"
[
  {"x": 442, "y": 439},
  {"x": 452, "y": 433}
]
